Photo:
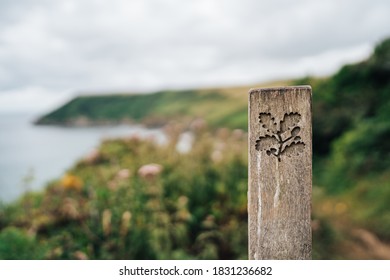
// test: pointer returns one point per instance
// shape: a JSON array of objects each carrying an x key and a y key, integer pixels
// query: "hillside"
[
  {"x": 133, "y": 199},
  {"x": 218, "y": 106}
]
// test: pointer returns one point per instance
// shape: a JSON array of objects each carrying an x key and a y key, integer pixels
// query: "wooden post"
[{"x": 280, "y": 173}]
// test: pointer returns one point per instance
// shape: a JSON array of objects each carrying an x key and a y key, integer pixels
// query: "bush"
[{"x": 15, "y": 244}]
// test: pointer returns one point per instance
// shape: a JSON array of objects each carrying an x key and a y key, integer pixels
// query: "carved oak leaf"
[
  {"x": 268, "y": 122},
  {"x": 290, "y": 120},
  {"x": 266, "y": 142},
  {"x": 294, "y": 149}
]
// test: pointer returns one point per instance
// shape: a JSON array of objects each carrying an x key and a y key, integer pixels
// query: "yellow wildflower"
[{"x": 71, "y": 182}]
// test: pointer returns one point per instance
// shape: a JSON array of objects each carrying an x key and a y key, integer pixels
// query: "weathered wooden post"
[{"x": 280, "y": 173}]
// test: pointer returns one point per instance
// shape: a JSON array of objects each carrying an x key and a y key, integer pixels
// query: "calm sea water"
[{"x": 30, "y": 156}]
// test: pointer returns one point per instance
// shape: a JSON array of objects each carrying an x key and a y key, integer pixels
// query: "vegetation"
[{"x": 133, "y": 199}]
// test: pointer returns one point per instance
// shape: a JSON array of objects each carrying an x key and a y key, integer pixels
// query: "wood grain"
[{"x": 280, "y": 173}]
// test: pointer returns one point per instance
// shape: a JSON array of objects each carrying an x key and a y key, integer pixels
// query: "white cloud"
[{"x": 142, "y": 45}]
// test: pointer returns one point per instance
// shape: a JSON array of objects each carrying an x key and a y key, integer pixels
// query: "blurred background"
[{"x": 123, "y": 124}]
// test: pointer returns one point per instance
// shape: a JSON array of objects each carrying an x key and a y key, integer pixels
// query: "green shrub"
[{"x": 15, "y": 244}]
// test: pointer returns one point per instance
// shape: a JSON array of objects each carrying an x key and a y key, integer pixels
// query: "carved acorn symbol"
[{"x": 285, "y": 140}]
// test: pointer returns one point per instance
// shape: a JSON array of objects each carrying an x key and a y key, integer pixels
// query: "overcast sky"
[{"x": 51, "y": 50}]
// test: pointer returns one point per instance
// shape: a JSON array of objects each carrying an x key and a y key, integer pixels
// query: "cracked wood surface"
[{"x": 280, "y": 173}]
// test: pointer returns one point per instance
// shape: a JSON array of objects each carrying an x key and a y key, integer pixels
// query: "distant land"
[{"x": 218, "y": 106}]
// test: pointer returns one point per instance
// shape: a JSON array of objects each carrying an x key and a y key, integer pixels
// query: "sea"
[{"x": 31, "y": 155}]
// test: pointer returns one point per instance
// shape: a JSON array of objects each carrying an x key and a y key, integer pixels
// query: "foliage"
[
  {"x": 15, "y": 244},
  {"x": 351, "y": 132}
]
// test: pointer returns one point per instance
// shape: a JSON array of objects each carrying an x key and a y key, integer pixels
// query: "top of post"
[{"x": 281, "y": 89}]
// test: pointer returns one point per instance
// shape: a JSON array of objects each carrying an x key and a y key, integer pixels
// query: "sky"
[{"x": 53, "y": 50}]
